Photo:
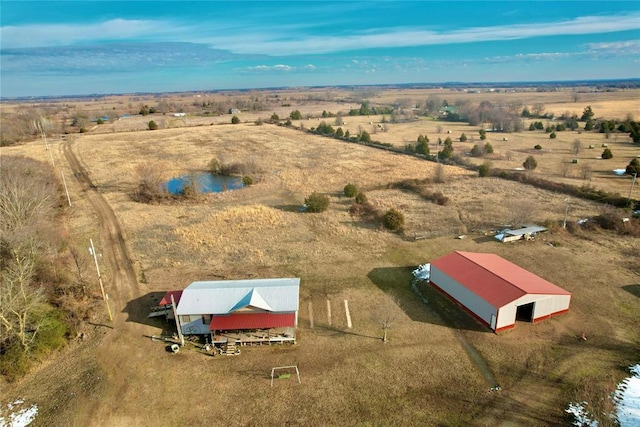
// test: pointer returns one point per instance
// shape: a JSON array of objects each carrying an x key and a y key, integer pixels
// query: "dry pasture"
[{"x": 349, "y": 377}]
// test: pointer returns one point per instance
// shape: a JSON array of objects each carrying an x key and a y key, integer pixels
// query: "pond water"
[{"x": 206, "y": 183}]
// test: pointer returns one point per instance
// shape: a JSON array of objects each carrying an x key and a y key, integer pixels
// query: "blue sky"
[{"x": 81, "y": 47}]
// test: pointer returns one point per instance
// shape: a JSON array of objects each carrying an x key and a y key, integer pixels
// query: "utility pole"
[
  {"x": 566, "y": 211},
  {"x": 92, "y": 250},
  {"x": 64, "y": 181},
  {"x": 633, "y": 181}
]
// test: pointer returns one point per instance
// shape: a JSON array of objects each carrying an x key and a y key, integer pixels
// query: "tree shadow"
[
  {"x": 138, "y": 310},
  {"x": 337, "y": 331},
  {"x": 424, "y": 304},
  {"x": 289, "y": 208},
  {"x": 633, "y": 289}
]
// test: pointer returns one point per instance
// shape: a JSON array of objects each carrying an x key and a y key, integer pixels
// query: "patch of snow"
[
  {"x": 627, "y": 401},
  {"x": 581, "y": 415},
  {"x": 619, "y": 171},
  {"x": 423, "y": 272},
  {"x": 627, "y": 397},
  {"x": 18, "y": 416}
]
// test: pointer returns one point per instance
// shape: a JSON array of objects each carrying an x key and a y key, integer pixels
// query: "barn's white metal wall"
[
  {"x": 552, "y": 304},
  {"x": 471, "y": 301},
  {"x": 544, "y": 306}
]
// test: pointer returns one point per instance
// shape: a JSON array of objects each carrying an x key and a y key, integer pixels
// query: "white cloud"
[
  {"x": 628, "y": 47},
  {"x": 280, "y": 68},
  {"x": 277, "y": 44},
  {"x": 284, "y": 39},
  {"x": 36, "y": 35}
]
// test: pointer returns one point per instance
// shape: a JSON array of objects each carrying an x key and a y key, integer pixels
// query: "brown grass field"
[{"x": 423, "y": 376}]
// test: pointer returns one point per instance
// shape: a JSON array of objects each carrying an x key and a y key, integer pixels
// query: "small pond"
[{"x": 206, "y": 183}]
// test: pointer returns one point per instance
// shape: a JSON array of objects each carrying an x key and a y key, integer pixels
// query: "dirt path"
[
  {"x": 124, "y": 285},
  {"x": 69, "y": 387}
]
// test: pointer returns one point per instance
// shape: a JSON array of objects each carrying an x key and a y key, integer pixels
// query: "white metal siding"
[
  {"x": 506, "y": 315},
  {"x": 552, "y": 304},
  {"x": 544, "y": 306},
  {"x": 464, "y": 296}
]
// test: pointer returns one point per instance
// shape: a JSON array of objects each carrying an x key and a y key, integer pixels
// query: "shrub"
[
  {"x": 275, "y": 117},
  {"x": 633, "y": 167},
  {"x": 607, "y": 154},
  {"x": 463, "y": 137},
  {"x": 393, "y": 220},
  {"x": 153, "y": 125},
  {"x": 483, "y": 134},
  {"x": 235, "y": 120},
  {"x": 530, "y": 163},
  {"x": 488, "y": 148},
  {"x": 339, "y": 133},
  {"x": 538, "y": 147},
  {"x": 552, "y": 135},
  {"x": 247, "y": 180},
  {"x": 364, "y": 211},
  {"x": 215, "y": 166},
  {"x": 365, "y": 137},
  {"x": 484, "y": 170},
  {"x": 295, "y": 115},
  {"x": 361, "y": 198},
  {"x": 350, "y": 190},
  {"x": 100, "y": 122},
  {"x": 440, "y": 199},
  {"x": 317, "y": 202}
]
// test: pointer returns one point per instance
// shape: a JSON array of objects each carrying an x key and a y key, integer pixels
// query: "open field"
[{"x": 423, "y": 376}]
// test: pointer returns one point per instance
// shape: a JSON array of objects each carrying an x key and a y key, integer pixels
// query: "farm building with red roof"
[
  {"x": 211, "y": 307},
  {"x": 495, "y": 291}
]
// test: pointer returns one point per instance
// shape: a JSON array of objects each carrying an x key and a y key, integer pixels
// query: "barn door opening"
[{"x": 524, "y": 313}]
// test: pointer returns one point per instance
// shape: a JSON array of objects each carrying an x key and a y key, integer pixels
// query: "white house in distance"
[
  {"x": 495, "y": 291},
  {"x": 235, "y": 305}
]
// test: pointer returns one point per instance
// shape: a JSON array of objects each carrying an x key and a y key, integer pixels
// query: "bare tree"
[
  {"x": 21, "y": 301},
  {"x": 538, "y": 109},
  {"x": 439, "y": 174},
  {"x": 566, "y": 167},
  {"x": 576, "y": 146},
  {"x": 575, "y": 96},
  {"x": 587, "y": 172},
  {"x": 387, "y": 313},
  {"x": 521, "y": 211},
  {"x": 150, "y": 179}
]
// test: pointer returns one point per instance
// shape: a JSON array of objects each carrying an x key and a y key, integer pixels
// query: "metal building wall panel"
[{"x": 462, "y": 295}]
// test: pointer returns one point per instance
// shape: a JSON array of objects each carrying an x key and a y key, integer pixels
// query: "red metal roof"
[
  {"x": 493, "y": 278},
  {"x": 252, "y": 321},
  {"x": 166, "y": 299}
]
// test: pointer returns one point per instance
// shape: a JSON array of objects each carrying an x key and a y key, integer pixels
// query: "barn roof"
[
  {"x": 228, "y": 296},
  {"x": 493, "y": 278},
  {"x": 166, "y": 299}
]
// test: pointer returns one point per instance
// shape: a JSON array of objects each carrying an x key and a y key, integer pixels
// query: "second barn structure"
[
  {"x": 495, "y": 291},
  {"x": 229, "y": 309}
]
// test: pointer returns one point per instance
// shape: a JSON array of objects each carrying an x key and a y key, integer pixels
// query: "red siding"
[
  {"x": 252, "y": 321},
  {"x": 166, "y": 299}
]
